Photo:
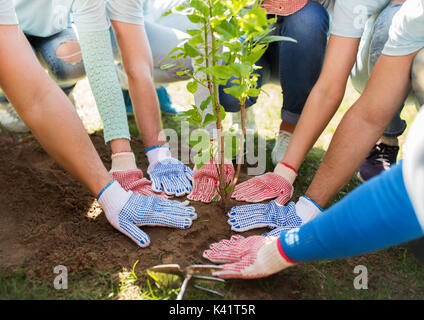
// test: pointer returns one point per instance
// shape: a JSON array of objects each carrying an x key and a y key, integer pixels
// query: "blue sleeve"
[{"x": 376, "y": 215}]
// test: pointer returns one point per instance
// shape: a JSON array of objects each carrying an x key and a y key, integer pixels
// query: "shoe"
[
  {"x": 10, "y": 120},
  {"x": 280, "y": 147},
  {"x": 381, "y": 157},
  {"x": 165, "y": 102}
]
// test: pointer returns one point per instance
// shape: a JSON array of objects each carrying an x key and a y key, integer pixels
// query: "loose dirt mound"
[{"x": 47, "y": 219}]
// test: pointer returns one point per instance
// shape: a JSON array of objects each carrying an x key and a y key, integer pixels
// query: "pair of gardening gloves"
[
  {"x": 169, "y": 176},
  {"x": 132, "y": 201},
  {"x": 262, "y": 255}
]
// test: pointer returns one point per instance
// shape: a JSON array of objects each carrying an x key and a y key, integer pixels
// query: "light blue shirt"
[
  {"x": 7, "y": 12},
  {"x": 44, "y": 18},
  {"x": 406, "y": 33},
  {"x": 351, "y": 16}
]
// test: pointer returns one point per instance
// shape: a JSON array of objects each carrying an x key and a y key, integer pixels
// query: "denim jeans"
[
  {"x": 295, "y": 66},
  {"x": 375, "y": 37},
  {"x": 65, "y": 74}
]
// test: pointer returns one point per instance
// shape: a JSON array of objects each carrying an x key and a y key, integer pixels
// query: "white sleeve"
[
  {"x": 129, "y": 11},
  {"x": 413, "y": 165},
  {"x": 406, "y": 33},
  {"x": 7, "y": 12},
  {"x": 350, "y": 16},
  {"x": 90, "y": 15}
]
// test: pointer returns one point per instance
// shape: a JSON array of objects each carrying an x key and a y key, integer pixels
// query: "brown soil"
[{"x": 47, "y": 219}]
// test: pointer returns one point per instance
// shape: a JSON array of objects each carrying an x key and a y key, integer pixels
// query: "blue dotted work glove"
[
  {"x": 168, "y": 174},
  {"x": 127, "y": 212},
  {"x": 271, "y": 215}
]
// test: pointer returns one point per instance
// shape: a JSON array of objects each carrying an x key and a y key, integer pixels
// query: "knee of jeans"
[
  {"x": 66, "y": 65},
  {"x": 69, "y": 51},
  {"x": 418, "y": 76},
  {"x": 312, "y": 18}
]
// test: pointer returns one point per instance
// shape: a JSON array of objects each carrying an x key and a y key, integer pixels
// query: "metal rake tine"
[
  {"x": 207, "y": 278},
  {"x": 208, "y": 290},
  {"x": 184, "y": 287}
]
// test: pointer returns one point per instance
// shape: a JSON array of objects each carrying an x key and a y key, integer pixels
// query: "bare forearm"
[
  {"x": 362, "y": 125},
  {"x": 324, "y": 98},
  {"x": 137, "y": 61},
  {"x": 317, "y": 113},
  {"x": 47, "y": 111}
]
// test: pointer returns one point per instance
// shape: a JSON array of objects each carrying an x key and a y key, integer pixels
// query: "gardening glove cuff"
[
  {"x": 252, "y": 257},
  {"x": 286, "y": 172},
  {"x": 157, "y": 154},
  {"x": 123, "y": 161},
  {"x": 307, "y": 209}
]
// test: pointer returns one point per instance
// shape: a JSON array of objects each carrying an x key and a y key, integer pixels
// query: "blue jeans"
[
  {"x": 65, "y": 74},
  {"x": 296, "y": 66}
]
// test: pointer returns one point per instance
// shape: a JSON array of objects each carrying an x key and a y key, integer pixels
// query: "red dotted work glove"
[
  {"x": 125, "y": 171},
  {"x": 248, "y": 258},
  {"x": 206, "y": 180},
  {"x": 277, "y": 184}
]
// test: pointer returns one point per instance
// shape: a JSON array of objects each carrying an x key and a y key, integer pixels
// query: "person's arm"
[
  {"x": 93, "y": 29},
  {"x": 376, "y": 215},
  {"x": 138, "y": 63},
  {"x": 362, "y": 126},
  {"x": 324, "y": 99},
  {"x": 47, "y": 112}
]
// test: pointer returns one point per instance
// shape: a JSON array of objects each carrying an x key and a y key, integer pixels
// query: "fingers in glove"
[
  {"x": 235, "y": 270},
  {"x": 188, "y": 173},
  {"x": 134, "y": 233},
  {"x": 156, "y": 183},
  {"x": 166, "y": 220}
]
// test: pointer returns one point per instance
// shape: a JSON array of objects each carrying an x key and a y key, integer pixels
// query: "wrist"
[
  {"x": 273, "y": 257},
  {"x": 112, "y": 199},
  {"x": 286, "y": 171},
  {"x": 283, "y": 254},
  {"x": 123, "y": 161},
  {"x": 120, "y": 145},
  {"x": 157, "y": 154},
  {"x": 307, "y": 209}
]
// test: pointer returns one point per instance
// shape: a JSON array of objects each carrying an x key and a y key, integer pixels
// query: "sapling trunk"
[{"x": 224, "y": 23}]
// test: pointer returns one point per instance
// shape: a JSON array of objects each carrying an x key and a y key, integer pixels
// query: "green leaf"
[
  {"x": 235, "y": 91},
  {"x": 168, "y": 66},
  {"x": 242, "y": 69},
  {"x": 252, "y": 92},
  {"x": 269, "y": 39},
  {"x": 200, "y": 6},
  {"x": 209, "y": 118},
  {"x": 220, "y": 71},
  {"x": 191, "y": 51},
  {"x": 205, "y": 103},
  {"x": 256, "y": 54},
  {"x": 192, "y": 86}
]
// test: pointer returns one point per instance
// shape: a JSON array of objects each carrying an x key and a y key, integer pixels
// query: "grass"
[{"x": 393, "y": 273}]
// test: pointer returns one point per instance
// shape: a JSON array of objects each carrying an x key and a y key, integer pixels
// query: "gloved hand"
[
  {"x": 273, "y": 215},
  {"x": 126, "y": 212},
  {"x": 168, "y": 174},
  {"x": 248, "y": 258},
  {"x": 206, "y": 180},
  {"x": 268, "y": 186},
  {"x": 125, "y": 171}
]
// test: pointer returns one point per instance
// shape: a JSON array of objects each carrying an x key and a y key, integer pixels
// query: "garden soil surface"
[{"x": 47, "y": 218}]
